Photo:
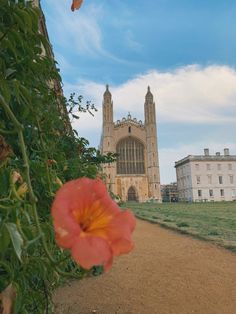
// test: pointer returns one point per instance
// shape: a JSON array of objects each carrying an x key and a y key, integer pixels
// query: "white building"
[{"x": 207, "y": 177}]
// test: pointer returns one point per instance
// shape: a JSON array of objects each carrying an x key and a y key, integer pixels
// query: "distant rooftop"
[{"x": 207, "y": 157}]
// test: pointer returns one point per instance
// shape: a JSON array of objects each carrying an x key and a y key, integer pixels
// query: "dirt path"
[{"x": 167, "y": 273}]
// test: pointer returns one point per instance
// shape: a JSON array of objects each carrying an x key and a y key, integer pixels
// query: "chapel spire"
[
  {"x": 107, "y": 106},
  {"x": 107, "y": 95},
  {"x": 149, "y": 96}
]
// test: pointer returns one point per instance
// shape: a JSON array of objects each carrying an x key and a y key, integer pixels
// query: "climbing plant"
[{"x": 38, "y": 153}]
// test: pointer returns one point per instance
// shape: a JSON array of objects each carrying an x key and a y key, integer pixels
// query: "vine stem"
[
  {"x": 33, "y": 200},
  {"x": 7, "y": 131},
  {"x": 46, "y": 156},
  {"x": 10, "y": 113}
]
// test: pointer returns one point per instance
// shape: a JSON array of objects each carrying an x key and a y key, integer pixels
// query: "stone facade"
[
  {"x": 55, "y": 84},
  {"x": 135, "y": 174},
  {"x": 207, "y": 177}
]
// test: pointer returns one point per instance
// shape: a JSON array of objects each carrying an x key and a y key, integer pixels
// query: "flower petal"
[
  {"x": 91, "y": 251},
  {"x": 121, "y": 225},
  {"x": 66, "y": 233},
  {"x": 76, "y": 4},
  {"x": 122, "y": 246}
]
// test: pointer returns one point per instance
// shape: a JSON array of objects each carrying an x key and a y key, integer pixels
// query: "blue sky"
[{"x": 185, "y": 51}]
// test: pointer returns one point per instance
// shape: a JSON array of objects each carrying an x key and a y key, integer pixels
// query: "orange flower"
[
  {"x": 76, "y": 4},
  {"x": 90, "y": 224}
]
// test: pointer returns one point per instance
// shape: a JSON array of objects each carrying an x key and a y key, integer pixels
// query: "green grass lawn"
[{"x": 211, "y": 221}]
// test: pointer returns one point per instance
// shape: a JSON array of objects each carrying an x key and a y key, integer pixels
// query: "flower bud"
[
  {"x": 16, "y": 176},
  {"x": 58, "y": 181},
  {"x": 21, "y": 191}
]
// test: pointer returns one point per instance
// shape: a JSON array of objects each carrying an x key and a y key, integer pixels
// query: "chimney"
[
  {"x": 206, "y": 151},
  {"x": 226, "y": 151},
  {"x": 217, "y": 153}
]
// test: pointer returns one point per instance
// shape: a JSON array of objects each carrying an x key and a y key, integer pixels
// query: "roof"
[{"x": 208, "y": 158}]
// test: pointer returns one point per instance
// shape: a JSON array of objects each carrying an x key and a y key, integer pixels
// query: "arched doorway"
[{"x": 132, "y": 196}]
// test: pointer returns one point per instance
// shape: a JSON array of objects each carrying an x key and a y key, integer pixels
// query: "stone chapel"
[{"x": 135, "y": 175}]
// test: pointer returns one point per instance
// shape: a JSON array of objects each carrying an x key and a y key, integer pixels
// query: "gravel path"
[{"x": 167, "y": 273}]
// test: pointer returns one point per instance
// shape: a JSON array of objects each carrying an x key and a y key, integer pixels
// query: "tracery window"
[{"x": 130, "y": 158}]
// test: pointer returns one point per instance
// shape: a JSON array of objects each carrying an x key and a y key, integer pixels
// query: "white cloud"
[
  {"x": 79, "y": 31},
  {"x": 131, "y": 42},
  {"x": 190, "y": 94}
]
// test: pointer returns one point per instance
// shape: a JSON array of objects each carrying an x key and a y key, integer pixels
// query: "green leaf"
[
  {"x": 25, "y": 95},
  {"x": 16, "y": 238},
  {"x": 4, "y": 182},
  {"x": 4, "y": 239},
  {"x": 5, "y": 91},
  {"x": 25, "y": 16},
  {"x": 9, "y": 72}
]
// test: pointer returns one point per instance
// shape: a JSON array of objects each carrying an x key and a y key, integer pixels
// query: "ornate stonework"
[{"x": 135, "y": 174}]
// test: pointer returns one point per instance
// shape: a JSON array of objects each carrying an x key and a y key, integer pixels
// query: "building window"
[
  {"x": 231, "y": 179},
  {"x": 211, "y": 193},
  {"x": 209, "y": 177},
  {"x": 199, "y": 192},
  {"x": 234, "y": 193},
  {"x": 130, "y": 158},
  {"x": 197, "y": 166},
  {"x": 222, "y": 192},
  {"x": 229, "y": 166},
  {"x": 220, "y": 180},
  {"x": 208, "y": 166},
  {"x": 218, "y": 166},
  {"x": 129, "y": 129},
  {"x": 198, "y": 179}
]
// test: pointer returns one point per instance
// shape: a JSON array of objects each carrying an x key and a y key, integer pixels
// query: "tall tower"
[
  {"x": 135, "y": 174},
  {"x": 108, "y": 137},
  {"x": 153, "y": 171}
]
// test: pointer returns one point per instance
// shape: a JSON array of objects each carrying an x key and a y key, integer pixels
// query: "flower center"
[{"x": 84, "y": 225}]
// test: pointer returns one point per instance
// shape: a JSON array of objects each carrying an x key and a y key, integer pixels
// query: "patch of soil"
[{"x": 167, "y": 273}]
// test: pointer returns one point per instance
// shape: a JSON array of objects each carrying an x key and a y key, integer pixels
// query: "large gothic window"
[{"x": 130, "y": 158}]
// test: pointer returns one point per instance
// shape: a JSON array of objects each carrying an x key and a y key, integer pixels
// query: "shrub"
[{"x": 38, "y": 153}]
